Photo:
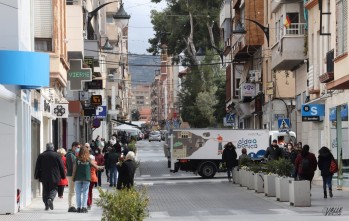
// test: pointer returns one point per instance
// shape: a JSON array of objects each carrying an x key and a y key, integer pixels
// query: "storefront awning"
[{"x": 26, "y": 69}]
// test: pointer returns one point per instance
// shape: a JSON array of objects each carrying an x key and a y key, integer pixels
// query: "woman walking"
[
  {"x": 93, "y": 182},
  {"x": 306, "y": 164},
  {"x": 324, "y": 163},
  {"x": 126, "y": 171},
  {"x": 82, "y": 177},
  {"x": 63, "y": 182}
]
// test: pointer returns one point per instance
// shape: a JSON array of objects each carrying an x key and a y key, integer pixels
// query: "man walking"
[
  {"x": 49, "y": 170},
  {"x": 273, "y": 152},
  {"x": 70, "y": 160}
]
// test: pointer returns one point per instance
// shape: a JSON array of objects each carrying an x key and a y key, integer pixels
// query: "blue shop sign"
[
  {"x": 24, "y": 68},
  {"x": 313, "y": 110}
]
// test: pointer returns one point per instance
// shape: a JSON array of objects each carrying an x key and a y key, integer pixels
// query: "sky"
[{"x": 140, "y": 27}]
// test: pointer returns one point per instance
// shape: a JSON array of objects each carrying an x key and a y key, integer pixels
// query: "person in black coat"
[
  {"x": 113, "y": 158},
  {"x": 49, "y": 170},
  {"x": 273, "y": 152},
  {"x": 325, "y": 157},
  {"x": 127, "y": 171},
  {"x": 229, "y": 158}
]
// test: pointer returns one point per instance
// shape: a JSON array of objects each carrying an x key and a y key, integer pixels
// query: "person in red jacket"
[
  {"x": 93, "y": 181},
  {"x": 100, "y": 162},
  {"x": 63, "y": 182},
  {"x": 306, "y": 164}
]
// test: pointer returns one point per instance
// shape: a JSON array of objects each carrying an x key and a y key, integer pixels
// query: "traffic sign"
[
  {"x": 284, "y": 124},
  {"x": 101, "y": 111},
  {"x": 230, "y": 118}
]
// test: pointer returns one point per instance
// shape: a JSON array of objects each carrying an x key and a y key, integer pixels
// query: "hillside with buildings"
[{"x": 142, "y": 68}]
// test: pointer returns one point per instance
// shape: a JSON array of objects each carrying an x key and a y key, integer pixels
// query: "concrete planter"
[
  {"x": 243, "y": 178},
  {"x": 299, "y": 193},
  {"x": 251, "y": 176},
  {"x": 259, "y": 182},
  {"x": 236, "y": 175},
  {"x": 282, "y": 188},
  {"x": 269, "y": 185}
]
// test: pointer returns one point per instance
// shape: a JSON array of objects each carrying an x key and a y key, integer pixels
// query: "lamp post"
[{"x": 240, "y": 29}]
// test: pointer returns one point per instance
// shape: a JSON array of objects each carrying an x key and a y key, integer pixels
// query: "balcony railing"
[{"x": 295, "y": 29}]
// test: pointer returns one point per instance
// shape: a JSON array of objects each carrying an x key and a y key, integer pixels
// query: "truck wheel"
[{"x": 207, "y": 170}]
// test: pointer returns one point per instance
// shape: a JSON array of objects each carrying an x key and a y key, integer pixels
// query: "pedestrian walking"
[
  {"x": 82, "y": 177},
  {"x": 291, "y": 154},
  {"x": 93, "y": 181},
  {"x": 244, "y": 157},
  {"x": 112, "y": 159},
  {"x": 306, "y": 164},
  {"x": 100, "y": 162},
  {"x": 49, "y": 170},
  {"x": 70, "y": 161},
  {"x": 229, "y": 158},
  {"x": 126, "y": 170},
  {"x": 64, "y": 181},
  {"x": 273, "y": 152},
  {"x": 324, "y": 163}
]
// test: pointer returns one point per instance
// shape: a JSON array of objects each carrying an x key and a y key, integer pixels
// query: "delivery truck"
[{"x": 200, "y": 150}]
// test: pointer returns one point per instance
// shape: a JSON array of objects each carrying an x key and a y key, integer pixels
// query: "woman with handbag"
[{"x": 324, "y": 164}]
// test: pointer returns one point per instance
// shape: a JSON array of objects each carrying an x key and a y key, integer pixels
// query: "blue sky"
[{"x": 140, "y": 27}]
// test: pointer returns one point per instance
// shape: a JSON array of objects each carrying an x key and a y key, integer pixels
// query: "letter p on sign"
[{"x": 101, "y": 111}]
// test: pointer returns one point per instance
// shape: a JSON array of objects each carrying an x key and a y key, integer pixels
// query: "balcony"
[
  {"x": 288, "y": 52},
  {"x": 329, "y": 75},
  {"x": 247, "y": 37}
]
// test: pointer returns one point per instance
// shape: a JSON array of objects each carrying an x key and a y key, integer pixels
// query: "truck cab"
[{"x": 283, "y": 138}]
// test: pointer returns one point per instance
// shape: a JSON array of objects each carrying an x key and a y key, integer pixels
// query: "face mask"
[{"x": 77, "y": 150}]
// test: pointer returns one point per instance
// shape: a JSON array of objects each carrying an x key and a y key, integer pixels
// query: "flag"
[{"x": 287, "y": 22}]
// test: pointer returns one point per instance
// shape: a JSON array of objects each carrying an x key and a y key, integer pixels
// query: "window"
[
  {"x": 341, "y": 26},
  {"x": 43, "y": 44},
  {"x": 298, "y": 102},
  {"x": 110, "y": 19}
]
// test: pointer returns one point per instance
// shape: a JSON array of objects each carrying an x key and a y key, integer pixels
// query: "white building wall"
[{"x": 15, "y": 130}]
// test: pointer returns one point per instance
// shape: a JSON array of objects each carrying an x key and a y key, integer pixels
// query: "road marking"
[
  {"x": 145, "y": 175},
  {"x": 146, "y": 184},
  {"x": 161, "y": 214},
  {"x": 283, "y": 211}
]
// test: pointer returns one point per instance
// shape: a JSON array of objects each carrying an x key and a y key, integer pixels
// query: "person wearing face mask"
[
  {"x": 273, "y": 152},
  {"x": 100, "y": 162},
  {"x": 70, "y": 159}
]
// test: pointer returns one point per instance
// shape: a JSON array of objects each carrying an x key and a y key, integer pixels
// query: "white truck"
[{"x": 200, "y": 150}]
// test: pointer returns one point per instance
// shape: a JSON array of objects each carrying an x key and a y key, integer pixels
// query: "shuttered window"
[
  {"x": 43, "y": 24},
  {"x": 341, "y": 27}
]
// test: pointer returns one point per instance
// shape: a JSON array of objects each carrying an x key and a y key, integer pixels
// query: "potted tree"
[{"x": 124, "y": 205}]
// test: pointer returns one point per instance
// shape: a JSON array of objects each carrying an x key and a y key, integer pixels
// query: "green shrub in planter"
[
  {"x": 271, "y": 166},
  {"x": 283, "y": 167},
  {"x": 123, "y": 205}
]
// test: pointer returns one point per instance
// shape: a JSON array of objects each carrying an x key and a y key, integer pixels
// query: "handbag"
[{"x": 333, "y": 167}]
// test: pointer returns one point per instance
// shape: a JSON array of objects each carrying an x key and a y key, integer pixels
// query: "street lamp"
[
  {"x": 121, "y": 16},
  {"x": 241, "y": 30}
]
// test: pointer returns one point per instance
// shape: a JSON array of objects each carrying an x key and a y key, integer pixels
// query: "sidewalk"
[{"x": 35, "y": 211}]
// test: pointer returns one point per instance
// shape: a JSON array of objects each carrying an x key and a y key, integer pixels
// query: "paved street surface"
[{"x": 186, "y": 197}]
